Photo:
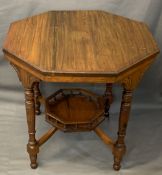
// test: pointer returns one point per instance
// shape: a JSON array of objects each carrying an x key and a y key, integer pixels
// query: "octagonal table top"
[{"x": 79, "y": 42}]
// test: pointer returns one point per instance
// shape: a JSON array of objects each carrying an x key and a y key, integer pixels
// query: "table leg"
[
  {"x": 108, "y": 98},
  {"x": 119, "y": 147},
  {"x": 37, "y": 94},
  {"x": 28, "y": 82},
  {"x": 32, "y": 146}
]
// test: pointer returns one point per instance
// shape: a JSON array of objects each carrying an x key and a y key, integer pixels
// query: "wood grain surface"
[
  {"x": 89, "y": 42},
  {"x": 73, "y": 110}
]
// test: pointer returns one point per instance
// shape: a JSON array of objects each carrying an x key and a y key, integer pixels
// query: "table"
[{"x": 78, "y": 46}]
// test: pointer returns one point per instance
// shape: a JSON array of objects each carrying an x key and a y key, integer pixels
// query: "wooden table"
[{"x": 78, "y": 46}]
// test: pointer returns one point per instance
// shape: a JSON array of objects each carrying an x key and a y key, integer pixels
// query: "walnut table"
[{"x": 78, "y": 46}]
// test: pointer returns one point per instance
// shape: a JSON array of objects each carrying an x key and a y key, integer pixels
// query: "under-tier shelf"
[{"x": 74, "y": 110}]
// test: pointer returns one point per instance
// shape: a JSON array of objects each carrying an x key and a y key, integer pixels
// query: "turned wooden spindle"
[
  {"x": 37, "y": 95},
  {"x": 119, "y": 147},
  {"x": 108, "y": 98},
  {"x": 32, "y": 146}
]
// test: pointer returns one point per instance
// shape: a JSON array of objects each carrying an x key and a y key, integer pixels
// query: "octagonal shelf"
[{"x": 73, "y": 110}]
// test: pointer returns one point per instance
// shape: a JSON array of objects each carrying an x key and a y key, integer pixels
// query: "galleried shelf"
[{"x": 73, "y": 110}]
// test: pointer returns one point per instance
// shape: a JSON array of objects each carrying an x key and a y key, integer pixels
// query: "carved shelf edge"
[{"x": 72, "y": 110}]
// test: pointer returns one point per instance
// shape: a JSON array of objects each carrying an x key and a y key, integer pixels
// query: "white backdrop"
[{"x": 83, "y": 153}]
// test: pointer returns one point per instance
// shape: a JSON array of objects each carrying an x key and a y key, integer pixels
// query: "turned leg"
[
  {"x": 108, "y": 98},
  {"x": 32, "y": 146},
  {"x": 119, "y": 147},
  {"x": 37, "y": 94}
]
